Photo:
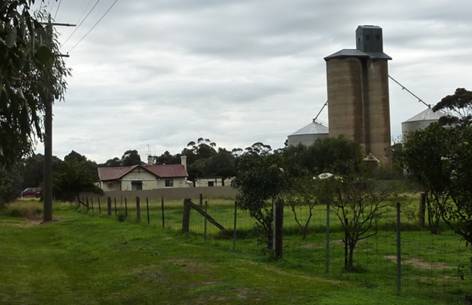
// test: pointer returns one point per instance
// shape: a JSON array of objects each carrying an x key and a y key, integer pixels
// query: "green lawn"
[{"x": 84, "y": 258}]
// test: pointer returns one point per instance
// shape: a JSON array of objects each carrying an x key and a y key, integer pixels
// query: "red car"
[{"x": 31, "y": 192}]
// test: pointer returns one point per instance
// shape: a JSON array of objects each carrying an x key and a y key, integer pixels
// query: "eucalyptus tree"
[{"x": 30, "y": 74}]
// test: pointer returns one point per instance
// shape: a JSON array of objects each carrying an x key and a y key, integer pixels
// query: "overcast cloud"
[{"x": 159, "y": 74}]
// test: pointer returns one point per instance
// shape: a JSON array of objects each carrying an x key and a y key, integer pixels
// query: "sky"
[{"x": 156, "y": 74}]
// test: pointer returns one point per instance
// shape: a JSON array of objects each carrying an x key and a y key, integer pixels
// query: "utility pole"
[{"x": 47, "y": 191}]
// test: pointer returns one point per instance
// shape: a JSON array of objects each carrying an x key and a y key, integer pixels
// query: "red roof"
[{"x": 160, "y": 171}]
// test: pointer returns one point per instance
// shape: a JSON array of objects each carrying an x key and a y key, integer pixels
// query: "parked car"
[{"x": 31, "y": 192}]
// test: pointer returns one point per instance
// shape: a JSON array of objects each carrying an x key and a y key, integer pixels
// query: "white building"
[{"x": 143, "y": 177}]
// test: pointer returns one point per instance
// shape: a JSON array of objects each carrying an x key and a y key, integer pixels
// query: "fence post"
[
  {"x": 328, "y": 248},
  {"x": 87, "y": 203},
  {"x": 235, "y": 218},
  {"x": 147, "y": 210},
  {"x": 278, "y": 228},
  {"x": 126, "y": 207},
  {"x": 186, "y": 216},
  {"x": 205, "y": 221},
  {"x": 109, "y": 206},
  {"x": 114, "y": 203},
  {"x": 138, "y": 208},
  {"x": 399, "y": 253},
  {"x": 91, "y": 202},
  {"x": 422, "y": 209},
  {"x": 99, "y": 207},
  {"x": 162, "y": 212}
]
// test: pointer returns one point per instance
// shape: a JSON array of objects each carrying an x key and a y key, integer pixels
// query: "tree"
[
  {"x": 424, "y": 154},
  {"x": 336, "y": 155},
  {"x": 458, "y": 106},
  {"x": 74, "y": 175},
  {"x": 198, "y": 154},
  {"x": 457, "y": 161},
  {"x": 167, "y": 158},
  {"x": 302, "y": 192},
  {"x": 10, "y": 184},
  {"x": 260, "y": 181},
  {"x": 357, "y": 206},
  {"x": 222, "y": 165},
  {"x": 30, "y": 73},
  {"x": 114, "y": 162},
  {"x": 131, "y": 157}
]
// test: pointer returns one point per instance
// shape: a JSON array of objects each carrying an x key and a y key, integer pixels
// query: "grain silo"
[
  {"x": 308, "y": 134},
  {"x": 358, "y": 95},
  {"x": 420, "y": 121}
]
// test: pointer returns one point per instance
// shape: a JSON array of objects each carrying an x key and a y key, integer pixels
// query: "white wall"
[
  {"x": 203, "y": 182},
  {"x": 110, "y": 186},
  {"x": 150, "y": 182}
]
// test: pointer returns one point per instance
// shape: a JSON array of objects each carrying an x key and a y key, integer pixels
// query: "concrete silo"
[
  {"x": 308, "y": 134},
  {"x": 420, "y": 121},
  {"x": 358, "y": 94}
]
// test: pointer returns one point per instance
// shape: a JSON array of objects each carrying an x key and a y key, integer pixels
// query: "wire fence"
[{"x": 403, "y": 257}]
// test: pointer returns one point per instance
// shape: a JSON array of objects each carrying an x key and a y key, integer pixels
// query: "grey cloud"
[{"x": 162, "y": 73}]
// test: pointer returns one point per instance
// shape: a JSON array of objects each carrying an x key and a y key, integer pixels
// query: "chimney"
[
  {"x": 183, "y": 161},
  {"x": 150, "y": 160}
]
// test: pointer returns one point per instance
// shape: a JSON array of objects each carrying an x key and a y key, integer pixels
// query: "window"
[
  {"x": 211, "y": 183},
  {"x": 169, "y": 183},
  {"x": 136, "y": 185}
]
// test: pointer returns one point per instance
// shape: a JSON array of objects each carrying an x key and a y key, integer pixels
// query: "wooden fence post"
[
  {"x": 278, "y": 228},
  {"x": 114, "y": 203},
  {"x": 109, "y": 206},
  {"x": 91, "y": 202},
  {"x": 162, "y": 212},
  {"x": 147, "y": 210},
  {"x": 399, "y": 251},
  {"x": 138, "y": 208},
  {"x": 126, "y": 207},
  {"x": 99, "y": 207},
  {"x": 328, "y": 237},
  {"x": 235, "y": 218},
  {"x": 186, "y": 216},
  {"x": 205, "y": 222},
  {"x": 87, "y": 203}
]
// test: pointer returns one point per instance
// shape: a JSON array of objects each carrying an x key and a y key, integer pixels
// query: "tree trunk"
[
  {"x": 270, "y": 238},
  {"x": 422, "y": 210},
  {"x": 350, "y": 261}
]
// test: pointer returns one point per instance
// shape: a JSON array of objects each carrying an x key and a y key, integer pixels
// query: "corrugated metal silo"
[
  {"x": 420, "y": 121},
  {"x": 308, "y": 134}
]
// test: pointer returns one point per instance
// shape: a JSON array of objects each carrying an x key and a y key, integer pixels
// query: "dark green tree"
[
  {"x": 74, "y": 175},
  {"x": 30, "y": 73},
  {"x": 424, "y": 154},
  {"x": 131, "y": 157},
  {"x": 223, "y": 165},
  {"x": 168, "y": 158},
  {"x": 260, "y": 181}
]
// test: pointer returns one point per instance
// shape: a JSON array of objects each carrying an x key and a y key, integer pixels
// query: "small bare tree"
[
  {"x": 302, "y": 194},
  {"x": 357, "y": 206}
]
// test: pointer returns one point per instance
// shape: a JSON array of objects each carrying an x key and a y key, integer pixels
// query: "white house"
[{"x": 143, "y": 177}]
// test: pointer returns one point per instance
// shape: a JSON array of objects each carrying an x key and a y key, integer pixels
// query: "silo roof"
[
  {"x": 357, "y": 53},
  {"x": 427, "y": 115},
  {"x": 312, "y": 128}
]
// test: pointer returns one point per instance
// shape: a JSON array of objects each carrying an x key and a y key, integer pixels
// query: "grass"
[{"x": 84, "y": 258}]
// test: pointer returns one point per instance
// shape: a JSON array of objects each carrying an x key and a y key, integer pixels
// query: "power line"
[
  {"x": 94, "y": 26},
  {"x": 82, "y": 21},
  {"x": 57, "y": 8}
]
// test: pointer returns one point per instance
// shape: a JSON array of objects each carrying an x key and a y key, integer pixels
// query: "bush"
[{"x": 26, "y": 209}]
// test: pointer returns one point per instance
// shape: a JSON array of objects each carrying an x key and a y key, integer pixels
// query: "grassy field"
[{"x": 85, "y": 258}]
